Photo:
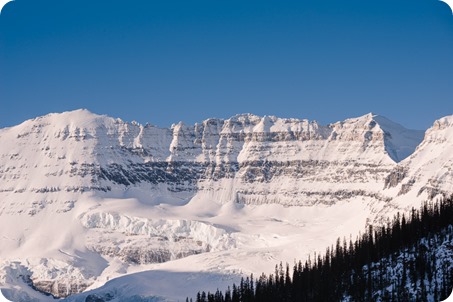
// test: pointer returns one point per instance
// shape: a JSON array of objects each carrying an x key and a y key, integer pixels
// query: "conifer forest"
[{"x": 408, "y": 259}]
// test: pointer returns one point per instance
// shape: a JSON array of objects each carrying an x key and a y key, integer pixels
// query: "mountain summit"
[{"x": 398, "y": 141}]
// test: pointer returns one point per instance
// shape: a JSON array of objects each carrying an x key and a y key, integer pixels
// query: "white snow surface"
[{"x": 96, "y": 205}]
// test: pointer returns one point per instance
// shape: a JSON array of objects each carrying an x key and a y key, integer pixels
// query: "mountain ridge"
[
  {"x": 83, "y": 151},
  {"x": 127, "y": 197}
]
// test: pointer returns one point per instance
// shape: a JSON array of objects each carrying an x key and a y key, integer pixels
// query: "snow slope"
[
  {"x": 92, "y": 198},
  {"x": 427, "y": 173}
]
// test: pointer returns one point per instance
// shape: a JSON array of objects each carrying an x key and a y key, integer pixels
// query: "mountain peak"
[
  {"x": 82, "y": 112},
  {"x": 444, "y": 122},
  {"x": 364, "y": 119},
  {"x": 79, "y": 118},
  {"x": 399, "y": 142}
]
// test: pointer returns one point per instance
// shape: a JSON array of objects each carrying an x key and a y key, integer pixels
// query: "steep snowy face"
[
  {"x": 297, "y": 162},
  {"x": 246, "y": 158},
  {"x": 429, "y": 170},
  {"x": 64, "y": 154},
  {"x": 399, "y": 142}
]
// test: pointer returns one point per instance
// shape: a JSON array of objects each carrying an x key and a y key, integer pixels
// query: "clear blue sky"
[{"x": 166, "y": 61}]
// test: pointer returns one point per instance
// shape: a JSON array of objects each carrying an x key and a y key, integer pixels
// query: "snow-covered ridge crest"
[
  {"x": 444, "y": 122},
  {"x": 84, "y": 124},
  {"x": 79, "y": 151}
]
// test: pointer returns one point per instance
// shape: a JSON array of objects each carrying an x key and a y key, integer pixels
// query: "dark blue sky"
[{"x": 166, "y": 61}]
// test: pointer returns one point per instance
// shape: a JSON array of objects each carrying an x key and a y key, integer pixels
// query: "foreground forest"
[{"x": 409, "y": 259}]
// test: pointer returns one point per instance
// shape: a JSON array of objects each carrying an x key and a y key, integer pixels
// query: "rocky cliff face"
[
  {"x": 70, "y": 170},
  {"x": 246, "y": 158}
]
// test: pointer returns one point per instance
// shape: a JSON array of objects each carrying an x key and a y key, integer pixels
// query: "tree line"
[{"x": 408, "y": 259}]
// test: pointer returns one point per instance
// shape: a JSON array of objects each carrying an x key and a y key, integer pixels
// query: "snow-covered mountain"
[
  {"x": 86, "y": 198},
  {"x": 247, "y": 158},
  {"x": 428, "y": 171}
]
